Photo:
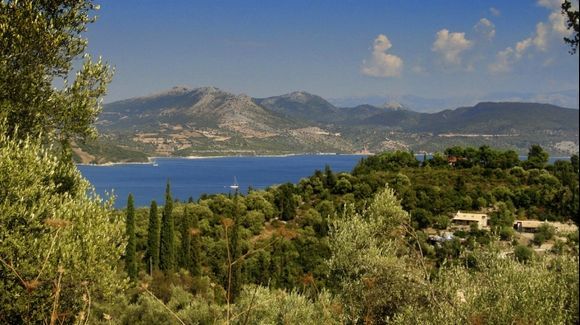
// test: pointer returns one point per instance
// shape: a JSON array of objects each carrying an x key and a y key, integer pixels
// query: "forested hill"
[
  {"x": 505, "y": 117},
  {"x": 209, "y": 121}
]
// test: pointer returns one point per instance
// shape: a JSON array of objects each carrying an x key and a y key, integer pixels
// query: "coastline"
[{"x": 152, "y": 160}]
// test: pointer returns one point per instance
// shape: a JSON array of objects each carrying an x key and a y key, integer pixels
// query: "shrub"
[
  {"x": 523, "y": 253},
  {"x": 59, "y": 242}
]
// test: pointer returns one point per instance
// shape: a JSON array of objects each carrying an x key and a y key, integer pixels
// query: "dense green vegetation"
[
  {"x": 104, "y": 150},
  {"x": 347, "y": 248},
  {"x": 345, "y": 241}
]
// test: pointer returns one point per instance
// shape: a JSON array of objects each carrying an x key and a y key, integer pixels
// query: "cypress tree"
[
  {"x": 153, "y": 237},
  {"x": 285, "y": 201},
  {"x": 184, "y": 253},
  {"x": 195, "y": 250},
  {"x": 235, "y": 250},
  {"x": 166, "y": 243},
  {"x": 130, "y": 250},
  {"x": 330, "y": 177}
]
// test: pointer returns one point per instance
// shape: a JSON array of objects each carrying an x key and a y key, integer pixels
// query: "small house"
[
  {"x": 467, "y": 219},
  {"x": 531, "y": 226}
]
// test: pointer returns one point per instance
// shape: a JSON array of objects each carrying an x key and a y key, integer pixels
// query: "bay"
[{"x": 194, "y": 177}]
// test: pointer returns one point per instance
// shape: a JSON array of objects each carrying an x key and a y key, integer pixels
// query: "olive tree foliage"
[
  {"x": 255, "y": 305},
  {"x": 58, "y": 249},
  {"x": 373, "y": 275},
  {"x": 42, "y": 88},
  {"x": 502, "y": 290},
  {"x": 261, "y": 305}
]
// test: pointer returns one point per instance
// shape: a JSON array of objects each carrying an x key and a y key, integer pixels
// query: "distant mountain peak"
[
  {"x": 394, "y": 106},
  {"x": 208, "y": 90},
  {"x": 299, "y": 96}
]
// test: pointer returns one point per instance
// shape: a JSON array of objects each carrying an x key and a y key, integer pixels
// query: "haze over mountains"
[
  {"x": 566, "y": 98},
  {"x": 209, "y": 121}
]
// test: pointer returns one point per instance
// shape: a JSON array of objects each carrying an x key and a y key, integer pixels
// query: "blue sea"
[{"x": 193, "y": 177}]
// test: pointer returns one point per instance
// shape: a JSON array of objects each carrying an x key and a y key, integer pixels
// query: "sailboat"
[{"x": 235, "y": 185}]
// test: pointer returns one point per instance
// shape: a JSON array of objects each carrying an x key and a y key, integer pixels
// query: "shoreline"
[{"x": 152, "y": 160}]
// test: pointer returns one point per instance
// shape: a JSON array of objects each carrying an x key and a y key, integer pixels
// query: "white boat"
[{"x": 235, "y": 185}]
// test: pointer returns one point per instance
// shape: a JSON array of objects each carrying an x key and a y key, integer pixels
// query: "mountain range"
[
  {"x": 564, "y": 98},
  {"x": 208, "y": 121}
]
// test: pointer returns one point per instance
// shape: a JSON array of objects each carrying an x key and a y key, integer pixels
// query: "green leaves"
[
  {"x": 49, "y": 229},
  {"x": 167, "y": 241},
  {"x": 39, "y": 40},
  {"x": 153, "y": 237},
  {"x": 130, "y": 251}
]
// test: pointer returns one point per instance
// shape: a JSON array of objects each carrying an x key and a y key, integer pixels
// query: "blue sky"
[{"x": 334, "y": 48}]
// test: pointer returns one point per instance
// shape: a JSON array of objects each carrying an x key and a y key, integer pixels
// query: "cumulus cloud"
[
  {"x": 494, "y": 11},
  {"x": 381, "y": 63},
  {"x": 485, "y": 28},
  {"x": 550, "y": 4},
  {"x": 557, "y": 20},
  {"x": 553, "y": 28},
  {"x": 503, "y": 61},
  {"x": 451, "y": 45},
  {"x": 506, "y": 58},
  {"x": 540, "y": 40}
]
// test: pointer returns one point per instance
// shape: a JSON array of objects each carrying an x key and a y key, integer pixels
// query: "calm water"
[{"x": 193, "y": 177}]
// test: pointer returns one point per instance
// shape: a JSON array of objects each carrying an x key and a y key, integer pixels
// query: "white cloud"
[
  {"x": 558, "y": 22},
  {"x": 550, "y": 4},
  {"x": 494, "y": 11},
  {"x": 553, "y": 28},
  {"x": 382, "y": 64},
  {"x": 506, "y": 58},
  {"x": 541, "y": 38},
  {"x": 451, "y": 45},
  {"x": 503, "y": 61},
  {"x": 485, "y": 28},
  {"x": 522, "y": 47}
]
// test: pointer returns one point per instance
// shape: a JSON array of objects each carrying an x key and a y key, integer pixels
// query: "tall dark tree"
[
  {"x": 330, "y": 177},
  {"x": 184, "y": 252},
  {"x": 153, "y": 235},
  {"x": 575, "y": 163},
  {"x": 285, "y": 201},
  {"x": 166, "y": 242},
  {"x": 537, "y": 157},
  {"x": 130, "y": 250}
]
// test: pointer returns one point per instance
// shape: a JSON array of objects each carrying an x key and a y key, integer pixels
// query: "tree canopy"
[{"x": 42, "y": 91}]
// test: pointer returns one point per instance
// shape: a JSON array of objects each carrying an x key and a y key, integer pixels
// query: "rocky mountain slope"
[{"x": 209, "y": 121}]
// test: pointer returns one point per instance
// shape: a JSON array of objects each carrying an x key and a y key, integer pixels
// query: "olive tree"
[
  {"x": 58, "y": 249},
  {"x": 41, "y": 90},
  {"x": 373, "y": 276}
]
